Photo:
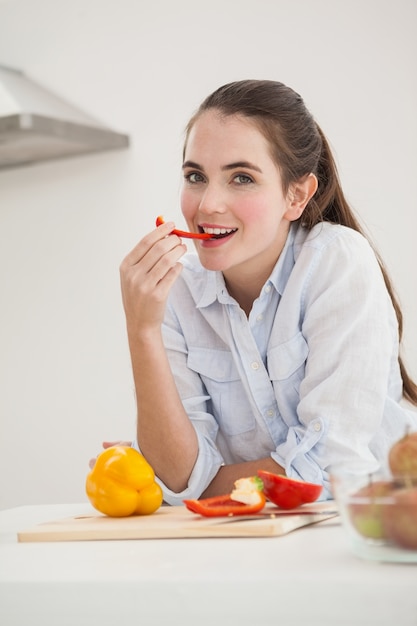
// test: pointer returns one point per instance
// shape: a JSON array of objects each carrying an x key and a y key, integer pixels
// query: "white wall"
[{"x": 143, "y": 67}]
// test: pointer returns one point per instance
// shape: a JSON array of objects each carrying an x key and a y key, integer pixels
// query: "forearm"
[
  {"x": 165, "y": 434},
  {"x": 225, "y": 478}
]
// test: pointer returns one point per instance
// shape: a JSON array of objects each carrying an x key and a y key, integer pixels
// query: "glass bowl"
[{"x": 379, "y": 515}]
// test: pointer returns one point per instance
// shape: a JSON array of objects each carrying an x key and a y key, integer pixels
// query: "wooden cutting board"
[{"x": 177, "y": 522}]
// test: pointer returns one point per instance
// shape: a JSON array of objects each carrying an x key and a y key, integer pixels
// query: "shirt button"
[
  {"x": 255, "y": 365},
  {"x": 267, "y": 288},
  {"x": 317, "y": 427},
  {"x": 270, "y": 413},
  {"x": 259, "y": 318}
]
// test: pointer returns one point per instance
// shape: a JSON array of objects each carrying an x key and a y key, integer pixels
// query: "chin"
[{"x": 213, "y": 266}]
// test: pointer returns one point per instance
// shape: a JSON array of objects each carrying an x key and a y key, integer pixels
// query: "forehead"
[{"x": 226, "y": 134}]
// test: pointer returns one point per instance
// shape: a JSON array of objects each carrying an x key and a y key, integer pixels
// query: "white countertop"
[{"x": 306, "y": 577}]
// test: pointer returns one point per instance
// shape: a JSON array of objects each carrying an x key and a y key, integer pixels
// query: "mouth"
[{"x": 217, "y": 233}]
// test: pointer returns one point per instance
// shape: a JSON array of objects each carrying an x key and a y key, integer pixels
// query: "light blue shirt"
[{"x": 311, "y": 378}]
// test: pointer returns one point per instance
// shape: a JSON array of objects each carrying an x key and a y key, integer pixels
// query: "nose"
[{"x": 213, "y": 200}]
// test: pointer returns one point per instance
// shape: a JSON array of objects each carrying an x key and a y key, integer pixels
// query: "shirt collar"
[
  {"x": 283, "y": 267},
  {"x": 212, "y": 288},
  {"x": 212, "y": 285}
]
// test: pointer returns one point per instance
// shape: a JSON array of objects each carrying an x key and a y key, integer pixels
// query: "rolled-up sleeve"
[{"x": 196, "y": 403}]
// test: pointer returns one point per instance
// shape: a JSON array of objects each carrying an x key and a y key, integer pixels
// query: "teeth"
[{"x": 219, "y": 231}]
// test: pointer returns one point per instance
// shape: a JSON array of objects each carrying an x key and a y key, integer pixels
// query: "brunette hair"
[{"x": 299, "y": 147}]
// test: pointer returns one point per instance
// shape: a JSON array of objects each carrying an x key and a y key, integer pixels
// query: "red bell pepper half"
[
  {"x": 184, "y": 233},
  {"x": 288, "y": 493}
]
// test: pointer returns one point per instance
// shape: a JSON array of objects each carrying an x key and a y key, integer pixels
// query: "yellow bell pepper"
[{"x": 122, "y": 483}]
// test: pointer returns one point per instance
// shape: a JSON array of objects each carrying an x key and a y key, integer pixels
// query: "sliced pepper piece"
[
  {"x": 184, "y": 233},
  {"x": 223, "y": 506},
  {"x": 247, "y": 498},
  {"x": 247, "y": 490},
  {"x": 122, "y": 483},
  {"x": 288, "y": 493}
]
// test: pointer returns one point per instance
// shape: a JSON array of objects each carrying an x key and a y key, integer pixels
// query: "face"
[{"x": 233, "y": 188}]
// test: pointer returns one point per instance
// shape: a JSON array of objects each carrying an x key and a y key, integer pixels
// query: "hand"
[
  {"x": 147, "y": 275},
  {"x": 109, "y": 444}
]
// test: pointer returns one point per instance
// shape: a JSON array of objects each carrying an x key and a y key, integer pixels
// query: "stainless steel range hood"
[{"x": 36, "y": 125}]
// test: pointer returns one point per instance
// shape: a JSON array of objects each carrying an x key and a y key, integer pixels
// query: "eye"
[
  {"x": 194, "y": 177},
  {"x": 242, "y": 179}
]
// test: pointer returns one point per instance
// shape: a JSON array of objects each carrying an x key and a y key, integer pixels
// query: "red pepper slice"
[
  {"x": 184, "y": 233},
  {"x": 288, "y": 493},
  {"x": 224, "y": 506}
]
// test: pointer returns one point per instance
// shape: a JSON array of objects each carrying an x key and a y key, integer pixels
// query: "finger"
[
  {"x": 165, "y": 283},
  {"x": 166, "y": 264},
  {"x": 110, "y": 444},
  {"x": 144, "y": 278},
  {"x": 146, "y": 243},
  {"x": 145, "y": 272}
]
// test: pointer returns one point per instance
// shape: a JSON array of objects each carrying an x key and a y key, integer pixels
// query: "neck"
[
  {"x": 245, "y": 281},
  {"x": 245, "y": 288}
]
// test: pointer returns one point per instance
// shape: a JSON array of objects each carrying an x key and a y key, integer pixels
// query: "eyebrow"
[{"x": 229, "y": 166}]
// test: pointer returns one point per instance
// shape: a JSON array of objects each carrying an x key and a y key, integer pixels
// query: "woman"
[{"x": 276, "y": 347}]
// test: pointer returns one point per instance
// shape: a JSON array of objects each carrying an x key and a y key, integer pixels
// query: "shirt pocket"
[
  {"x": 223, "y": 384},
  {"x": 286, "y": 366}
]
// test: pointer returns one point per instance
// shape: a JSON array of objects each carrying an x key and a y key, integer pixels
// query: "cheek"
[
  {"x": 187, "y": 205},
  {"x": 254, "y": 211}
]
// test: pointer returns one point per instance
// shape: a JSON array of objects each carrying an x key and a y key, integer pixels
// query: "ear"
[{"x": 299, "y": 195}]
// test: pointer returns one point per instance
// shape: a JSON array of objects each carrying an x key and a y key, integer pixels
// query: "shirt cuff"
[
  {"x": 208, "y": 463},
  {"x": 293, "y": 455}
]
